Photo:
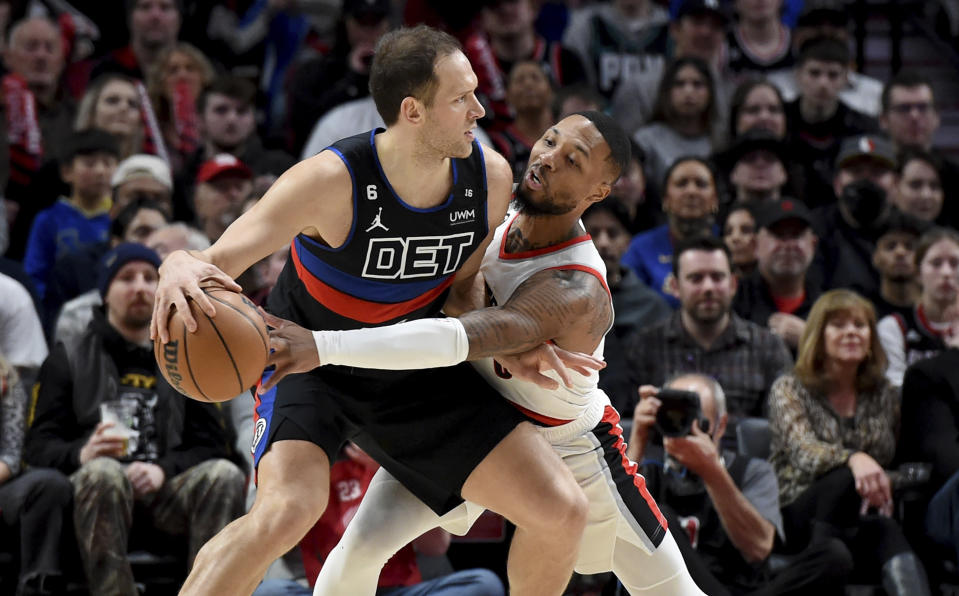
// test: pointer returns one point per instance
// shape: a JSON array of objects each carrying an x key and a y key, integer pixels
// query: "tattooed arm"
[{"x": 571, "y": 308}]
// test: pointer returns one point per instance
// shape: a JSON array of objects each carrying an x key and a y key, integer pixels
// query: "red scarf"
[
  {"x": 23, "y": 130},
  {"x": 185, "y": 119},
  {"x": 152, "y": 138}
]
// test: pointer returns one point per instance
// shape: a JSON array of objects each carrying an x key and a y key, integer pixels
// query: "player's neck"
[
  {"x": 419, "y": 176},
  {"x": 532, "y": 232}
]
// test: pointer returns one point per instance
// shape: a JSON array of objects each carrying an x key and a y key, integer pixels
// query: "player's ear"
[
  {"x": 600, "y": 192},
  {"x": 411, "y": 110}
]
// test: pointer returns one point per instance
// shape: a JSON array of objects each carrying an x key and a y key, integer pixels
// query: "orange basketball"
[{"x": 226, "y": 354}]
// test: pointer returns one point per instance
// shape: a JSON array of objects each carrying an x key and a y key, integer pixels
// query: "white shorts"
[{"x": 620, "y": 507}]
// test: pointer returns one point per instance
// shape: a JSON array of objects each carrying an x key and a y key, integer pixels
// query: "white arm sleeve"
[{"x": 424, "y": 343}]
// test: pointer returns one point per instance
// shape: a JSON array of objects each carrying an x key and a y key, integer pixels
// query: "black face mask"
[{"x": 864, "y": 201}]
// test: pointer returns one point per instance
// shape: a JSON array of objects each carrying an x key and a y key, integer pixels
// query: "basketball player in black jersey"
[{"x": 385, "y": 226}]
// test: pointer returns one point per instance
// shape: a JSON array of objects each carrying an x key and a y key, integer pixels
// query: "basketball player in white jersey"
[{"x": 549, "y": 282}]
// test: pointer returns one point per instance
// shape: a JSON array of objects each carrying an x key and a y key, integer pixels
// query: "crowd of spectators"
[{"x": 783, "y": 243}]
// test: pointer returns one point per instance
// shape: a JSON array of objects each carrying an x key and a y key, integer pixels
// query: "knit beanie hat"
[{"x": 119, "y": 256}]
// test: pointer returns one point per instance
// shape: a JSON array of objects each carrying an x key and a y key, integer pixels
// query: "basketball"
[{"x": 226, "y": 354}]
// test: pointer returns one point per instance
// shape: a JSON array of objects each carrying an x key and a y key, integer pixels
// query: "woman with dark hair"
[
  {"x": 918, "y": 190},
  {"x": 757, "y": 103},
  {"x": 690, "y": 201},
  {"x": 684, "y": 117},
  {"x": 834, "y": 421},
  {"x": 739, "y": 235}
]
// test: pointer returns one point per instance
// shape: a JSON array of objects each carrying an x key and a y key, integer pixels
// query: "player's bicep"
[{"x": 291, "y": 206}]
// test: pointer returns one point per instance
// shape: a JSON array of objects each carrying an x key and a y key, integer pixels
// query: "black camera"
[{"x": 678, "y": 411}]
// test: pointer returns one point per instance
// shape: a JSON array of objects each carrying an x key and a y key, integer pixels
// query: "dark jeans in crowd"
[
  {"x": 942, "y": 515},
  {"x": 833, "y": 502},
  {"x": 821, "y": 568},
  {"x": 197, "y": 503},
  {"x": 38, "y": 505}
]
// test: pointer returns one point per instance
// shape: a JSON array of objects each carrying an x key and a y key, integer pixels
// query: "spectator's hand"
[
  {"x": 528, "y": 365},
  {"x": 292, "y": 349},
  {"x": 788, "y": 327},
  {"x": 180, "y": 277},
  {"x": 145, "y": 477},
  {"x": 102, "y": 444},
  {"x": 695, "y": 451},
  {"x": 5, "y": 473},
  {"x": 872, "y": 483},
  {"x": 644, "y": 415}
]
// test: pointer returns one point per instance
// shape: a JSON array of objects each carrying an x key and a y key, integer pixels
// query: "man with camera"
[
  {"x": 722, "y": 507},
  {"x": 705, "y": 336}
]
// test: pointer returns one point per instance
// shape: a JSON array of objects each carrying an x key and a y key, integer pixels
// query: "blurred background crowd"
[{"x": 783, "y": 244}]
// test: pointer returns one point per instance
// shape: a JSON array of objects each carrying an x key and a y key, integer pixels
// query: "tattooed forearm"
[{"x": 551, "y": 305}]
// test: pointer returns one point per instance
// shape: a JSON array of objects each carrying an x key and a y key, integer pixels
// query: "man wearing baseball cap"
[
  {"x": 142, "y": 175},
  {"x": 865, "y": 175},
  {"x": 222, "y": 186},
  {"x": 755, "y": 165},
  {"x": 780, "y": 293}
]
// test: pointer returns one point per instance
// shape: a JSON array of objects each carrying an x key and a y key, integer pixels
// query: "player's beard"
[{"x": 544, "y": 207}]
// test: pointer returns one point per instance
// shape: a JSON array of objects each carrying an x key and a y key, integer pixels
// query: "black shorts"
[{"x": 428, "y": 428}]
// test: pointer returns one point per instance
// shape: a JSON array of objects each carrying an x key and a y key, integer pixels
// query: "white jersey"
[{"x": 584, "y": 401}]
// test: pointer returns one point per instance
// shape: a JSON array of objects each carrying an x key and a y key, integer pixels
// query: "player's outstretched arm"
[
  {"x": 292, "y": 205},
  {"x": 571, "y": 308}
]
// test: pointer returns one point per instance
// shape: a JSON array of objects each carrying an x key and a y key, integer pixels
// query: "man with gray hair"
[
  {"x": 723, "y": 507},
  {"x": 36, "y": 118}
]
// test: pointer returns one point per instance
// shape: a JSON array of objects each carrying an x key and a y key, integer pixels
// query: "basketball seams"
[
  {"x": 186, "y": 360},
  {"x": 226, "y": 348},
  {"x": 266, "y": 346}
]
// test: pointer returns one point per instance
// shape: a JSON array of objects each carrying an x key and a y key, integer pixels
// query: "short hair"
[
  {"x": 89, "y": 142},
  {"x": 917, "y": 153},
  {"x": 719, "y": 396},
  {"x": 131, "y": 4},
  {"x": 704, "y": 243},
  {"x": 907, "y": 78},
  {"x": 615, "y": 137},
  {"x": 120, "y": 223},
  {"x": 15, "y": 29},
  {"x": 738, "y": 100},
  {"x": 811, "y": 360},
  {"x": 581, "y": 91},
  {"x": 685, "y": 158},
  {"x": 823, "y": 49},
  {"x": 663, "y": 110},
  {"x": 613, "y": 206},
  {"x": 195, "y": 238},
  {"x": 234, "y": 87},
  {"x": 902, "y": 223},
  {"x": 932, "y": 236},
  {"x": 404, "y": 65}
]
